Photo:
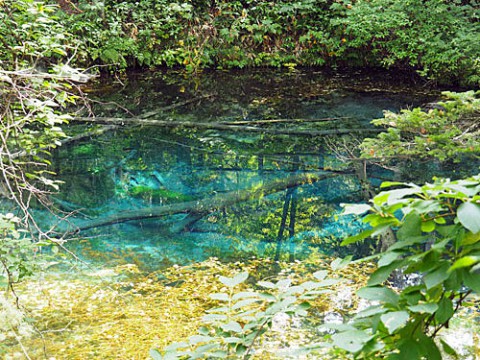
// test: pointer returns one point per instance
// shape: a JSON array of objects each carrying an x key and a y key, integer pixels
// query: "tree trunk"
[
  {"x": 218, "y": 126},
  {"x": 207, "y": 205}
]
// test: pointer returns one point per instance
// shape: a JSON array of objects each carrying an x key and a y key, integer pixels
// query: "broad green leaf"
[
  {"x": 465, "y": 261},
  {"x": 394, "y": 320},
  {"x": 465, "y": 191},
  {"x": 427, "y": 206},
  {"x": 320, "y": 275},
  {"x": 214, "y": 317},
  {"x": 282, "y": 306},
  {"x": 448, "y": 349},
  {"x": 428, "y": 308},
  {"x": 155, "y": 355},
  {"x": 295, "y": 290},
  {"x": 411, "y": 227},
  {"x": 382, "y": 274},
  {"x": 232, "y": 326},
  {"x": 428, "y": 226},
  {"x": 440, "y": 220},
  {"x": 199, "y": 352},
  {"x": 196, "y": 339},
  {"x": 437, "y": 276},
  {"x": 283, "y": 284},
  {"x": 327, "y": 282},
  {"x": 472, "y": 280},
  {"x": 470, "y": 239},
  {"x": 387, "y": 258},
  {"x": 356, "y": 209},
  {"x": 413, "y": 240},
  {"x": 245, "y": 302},
  {"x": 377, "y": 293},
  {"x": 409, "y": 350},
  {"x": 176, "y": 345},
  {"x": 340, "y": 263},
  {"x": 392, "y": 196},
  {"x": 371, "y": 311},
  {"x": 429, "y": 347},
  {"x": 232, "y": 282},
  {"x": 445, "y": 310},
  {"x": 469, "y": 216},
  {"x": 391, "y": 183},
  {"x": 353, "y": 239},
  {"x": 232, "y": 340},
  {"x": 352, "y": 341}
]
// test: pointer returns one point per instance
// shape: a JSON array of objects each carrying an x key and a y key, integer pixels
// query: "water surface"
[{"x": 136, "y": 167}]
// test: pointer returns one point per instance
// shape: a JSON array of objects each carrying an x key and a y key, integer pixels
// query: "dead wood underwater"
[
  {"x": 135, "y": 121},
  {"x": 207, "y": 205}
]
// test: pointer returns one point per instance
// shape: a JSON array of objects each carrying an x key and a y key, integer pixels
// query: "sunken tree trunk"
[{"x": 207, "y": 205}]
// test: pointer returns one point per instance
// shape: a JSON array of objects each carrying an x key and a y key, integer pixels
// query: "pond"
[{"x": 258, "y": 154}]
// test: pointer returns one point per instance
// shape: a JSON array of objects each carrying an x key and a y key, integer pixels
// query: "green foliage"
[
  {"x": 30, "y": 33},
  {"x": 236, "y": 326},
  {"x": 446, "y": 132},
  {"x": 436, "y": 38},
  {"x": 16, "y": 250},
  {"x": 35, "y": 85},
  {"x": 438, "y": 237}
]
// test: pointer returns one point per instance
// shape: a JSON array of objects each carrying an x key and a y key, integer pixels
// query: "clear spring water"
[{"x": 134, "y": 167}]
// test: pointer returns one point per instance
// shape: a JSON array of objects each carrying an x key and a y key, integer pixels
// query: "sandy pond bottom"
[{"x": 122, "y": 312}]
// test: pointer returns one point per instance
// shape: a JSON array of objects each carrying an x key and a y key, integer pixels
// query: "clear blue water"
[{"x": 138, "y": 167}]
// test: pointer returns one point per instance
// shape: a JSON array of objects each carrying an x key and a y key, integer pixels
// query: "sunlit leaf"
[
  {"x": 232, "y": 326},
  {"x": 465, "y": 261},
  {"x": 436, "y": 276},
  {"x": 428, "y": 308},
  {"x": 394, "y": 320},
  {"x": 232, "y": 282},
  {"x": 355, "y": 209},
  {"x": 376, "y": 293},
  {"x": 469, "y": 216},
  {"x": 352, "y": 341}
]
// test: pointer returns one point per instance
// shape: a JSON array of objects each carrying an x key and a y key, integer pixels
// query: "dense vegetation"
[
  {"x": 430, "y": 230},
  {"x": 437, "y": 38}
]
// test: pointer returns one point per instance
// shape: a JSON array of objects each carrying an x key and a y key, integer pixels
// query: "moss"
[
  {"x": 158, "y": 195},
  {"x": 84, "y": 150}
]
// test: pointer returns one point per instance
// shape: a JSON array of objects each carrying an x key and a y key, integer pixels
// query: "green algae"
[{"x": 158, "y": 195}]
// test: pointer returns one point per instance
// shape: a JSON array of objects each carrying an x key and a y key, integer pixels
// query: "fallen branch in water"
[
  {"x": 106, "y": 128},
  {"x": 207, "y": 205},
  {"x": 278, "y": 121},
  {"x": 175, "y": 105},
  {"x": 219, "y": 126}
]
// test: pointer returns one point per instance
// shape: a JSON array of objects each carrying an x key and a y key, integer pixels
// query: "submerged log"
[
  {"x": 110, "y": 127},
  {"x": 207, "y": 205},
  {"x": 219, "y": 126},
  {"x": 278, "y": 121}
]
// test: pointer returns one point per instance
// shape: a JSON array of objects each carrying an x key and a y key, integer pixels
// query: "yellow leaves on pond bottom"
[{"x": 121, "y": 313}]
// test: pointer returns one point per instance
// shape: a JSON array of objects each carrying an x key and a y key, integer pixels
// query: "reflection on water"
[{"x": 136, "y": 167}]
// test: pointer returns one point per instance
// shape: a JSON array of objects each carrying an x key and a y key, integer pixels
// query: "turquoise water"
[{"x": 133, "y": 168}]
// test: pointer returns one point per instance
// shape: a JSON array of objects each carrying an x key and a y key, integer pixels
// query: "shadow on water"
[{"x": 133, "y": 168}]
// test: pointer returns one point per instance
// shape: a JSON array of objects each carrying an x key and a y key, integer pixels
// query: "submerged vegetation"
[{"x": 422, "y": 271}]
